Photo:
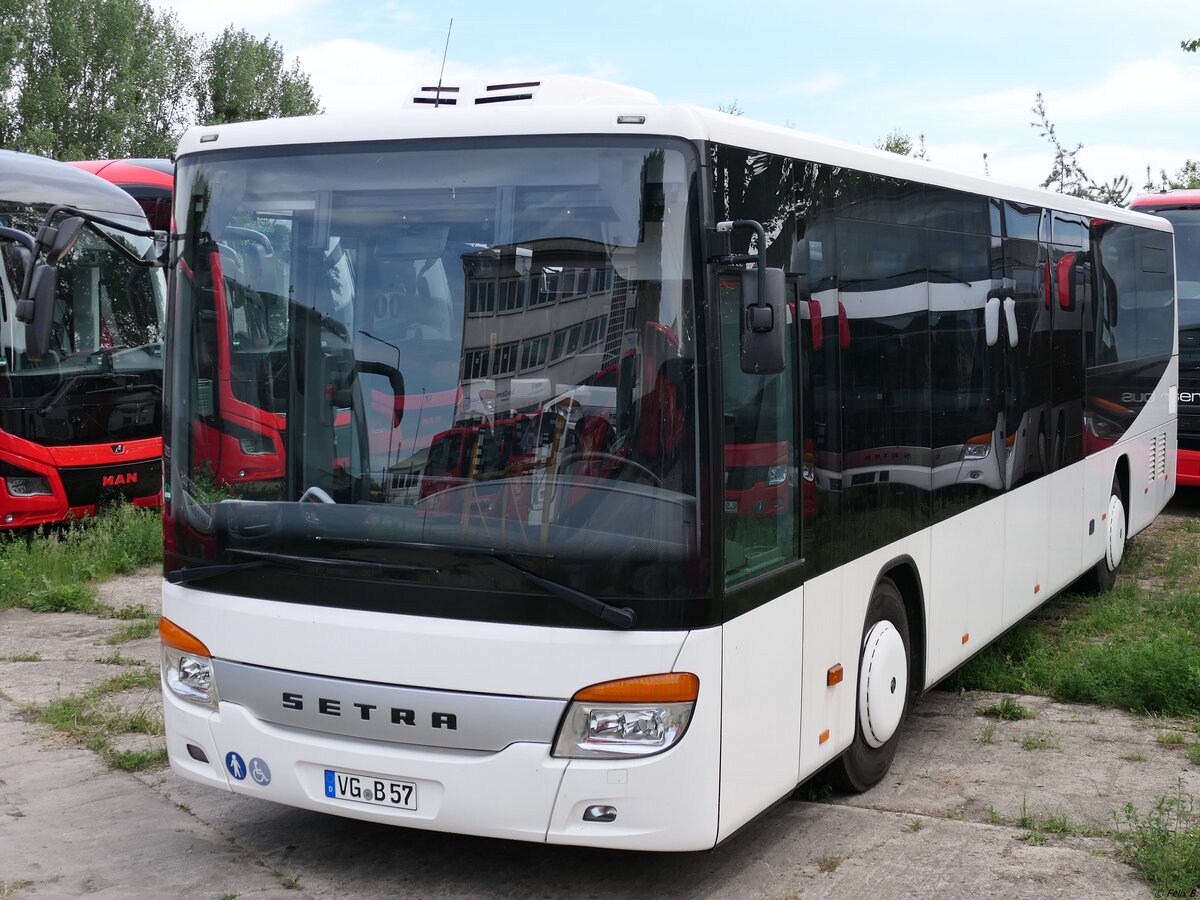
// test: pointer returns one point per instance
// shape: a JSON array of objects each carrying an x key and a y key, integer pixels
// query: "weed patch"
[
  {"x": 135, "y": 631},
  {"x": 1007, "y": 710},
  {"x": 92, "y": 719},
  {"x": 1164, "y": 843}
]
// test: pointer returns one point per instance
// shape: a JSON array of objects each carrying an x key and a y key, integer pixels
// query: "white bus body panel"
[
  {"x": 664, "y": 802},
  {"x": 762, "y": 679}
]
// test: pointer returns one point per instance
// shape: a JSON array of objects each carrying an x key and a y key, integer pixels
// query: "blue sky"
[{"x": 962, "y": 73}]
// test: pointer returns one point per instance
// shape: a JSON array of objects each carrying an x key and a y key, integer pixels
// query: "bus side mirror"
[
  {"x": 57, "y": 242},
  {"x": 991, "y": 321},
  {"x": 764, "y": 328},
  {"x": 37, "y": 311}
]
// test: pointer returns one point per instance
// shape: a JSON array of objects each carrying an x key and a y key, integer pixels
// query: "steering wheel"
[{"x": 607, "y": 460}]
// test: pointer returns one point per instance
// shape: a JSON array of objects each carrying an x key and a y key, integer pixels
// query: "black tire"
[
  {"x": 1103, "y": 576},
  {"x": 863, "y": 765}
]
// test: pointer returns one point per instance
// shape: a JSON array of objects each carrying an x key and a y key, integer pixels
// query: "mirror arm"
[{"x": 760, "y": 318}]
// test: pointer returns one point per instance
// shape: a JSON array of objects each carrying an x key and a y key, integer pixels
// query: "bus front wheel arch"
[{"x": 884, "y": 692}]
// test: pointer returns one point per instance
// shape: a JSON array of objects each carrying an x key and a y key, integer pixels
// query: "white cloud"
[
  {"x": 1159, "y": 85},
  {"x": 258, "y": 17},
  {"x": 361, "y": 77}
]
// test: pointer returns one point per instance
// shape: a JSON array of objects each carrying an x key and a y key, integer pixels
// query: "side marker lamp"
[
  {"x": 629, "y": 717},
  {"x": 187, "y": 666}
]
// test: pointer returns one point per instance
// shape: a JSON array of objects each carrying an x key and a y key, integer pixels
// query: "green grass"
[
  {"x": 92, "y": 720},
  {"x": 1006, "y": 710},
  {"x": 1164, "y": 843},
  {"x": 52, "y": 571},
  {"x": 1135, "y": 648},
  {"x": 135, "y": 631},
  {"x": 1040, "y": 740}
]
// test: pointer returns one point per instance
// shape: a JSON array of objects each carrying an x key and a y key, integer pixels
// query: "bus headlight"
[
  {"x": 776, "y": 474},
  {"x": 630, "y": 717},
  {"x": 187, "y": 666},
  {"x": 977, "y": 447},
  {"x": 29, "y": 486}
]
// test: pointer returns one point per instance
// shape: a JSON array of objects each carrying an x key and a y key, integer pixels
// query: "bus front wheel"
[{"x": 883, "y": 692}]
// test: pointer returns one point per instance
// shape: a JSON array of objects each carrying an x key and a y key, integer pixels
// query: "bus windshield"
[
  {"x": 1187, "y": 259},
  {"x": 102, "y": 378},
  {"x": 487, "y": 348}
]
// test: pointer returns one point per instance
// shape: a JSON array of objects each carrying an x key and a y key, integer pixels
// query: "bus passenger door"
[
  {"x": 1025, "y": 334},
  {"x": 761, "y": 514}
]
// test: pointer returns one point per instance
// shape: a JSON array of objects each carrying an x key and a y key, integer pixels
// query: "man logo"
[
  {"x": 119, "y": 480},
  {"x": 118, "y": 448}
]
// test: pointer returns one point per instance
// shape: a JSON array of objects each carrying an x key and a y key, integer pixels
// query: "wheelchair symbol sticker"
[
  {"x": 260, "y": 772},
  {"x": 235, "y": 764}
]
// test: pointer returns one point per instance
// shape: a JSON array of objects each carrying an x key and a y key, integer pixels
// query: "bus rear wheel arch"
[
  {"x": 884, "y": 691},
  {"x": 1114, "y": 524}
]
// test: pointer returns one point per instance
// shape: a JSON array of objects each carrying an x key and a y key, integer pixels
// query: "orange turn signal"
[
  {"x": 670, "y": 687},
  {"x": 824, "y": 736},
  {"x": 966, "y": 637},
  {"x": 834, "y": 675},
  {"x": 174, "y": 636}
]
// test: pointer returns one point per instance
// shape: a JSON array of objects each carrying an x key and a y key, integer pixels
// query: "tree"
[
  {"x": 241, "y": 77},
  {"x": 1067, "y": 175},
  {"x": 1186, "y": 177},
  {"x": 1190, "y": 46},
  {"x": 900, "y": 143},
  {"x": 93, "y": 78}
]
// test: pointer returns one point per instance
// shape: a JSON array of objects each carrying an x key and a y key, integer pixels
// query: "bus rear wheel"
[
  {"x": 1103, "y": 576},
  {"x": 883, "y": 692}
]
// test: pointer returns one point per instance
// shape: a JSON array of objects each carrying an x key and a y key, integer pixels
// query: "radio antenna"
[{"x": 437, "y": 98}]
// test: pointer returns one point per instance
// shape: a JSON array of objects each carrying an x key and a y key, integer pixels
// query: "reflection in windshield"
[
  {"x": 486, "y": 348},
  {"x": 102, "y": 378}
]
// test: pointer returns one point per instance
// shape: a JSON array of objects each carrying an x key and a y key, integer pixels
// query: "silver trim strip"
[{"x": 385, "y": 712}]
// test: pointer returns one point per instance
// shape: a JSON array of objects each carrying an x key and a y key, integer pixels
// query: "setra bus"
[
  {"x": 580, "y": 639},
  {"x": 80, "y": 420},
  {"x": 1182, "y": 209}
]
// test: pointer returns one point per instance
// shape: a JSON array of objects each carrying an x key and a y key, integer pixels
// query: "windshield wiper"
[
  {"x": 116, "y": 381},
  {"x": 67, "y": 386},
  {"x": 620, "y": 616},
  {"x": 199, "y": 573},
  {"x": 264, "y": 558}
]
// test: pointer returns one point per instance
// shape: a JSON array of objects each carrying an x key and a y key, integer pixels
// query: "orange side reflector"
[
  {"x": 966, "y": 637},
  {"x": 670, "y": 687},
  {"x": 834, "y": 675},
  {"x": 824, "y": 736},
  {"x": 1037, "y": 588},
  {"x": 1103, "y": 516},
  {"x": 174, "y": 636}
]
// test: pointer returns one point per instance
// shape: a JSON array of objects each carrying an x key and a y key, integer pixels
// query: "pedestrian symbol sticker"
[
  {"x": 236, "y": 765},
  {"x": 260, "y": 772}
]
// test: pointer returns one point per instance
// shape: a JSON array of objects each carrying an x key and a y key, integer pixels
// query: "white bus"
[{"x": 798, "y": 510}]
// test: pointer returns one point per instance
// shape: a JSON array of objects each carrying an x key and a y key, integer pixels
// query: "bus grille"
[{"x": 88, "y": 485}]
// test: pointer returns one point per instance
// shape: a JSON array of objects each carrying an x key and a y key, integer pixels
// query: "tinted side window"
[{"x": 1115, "y": 336}]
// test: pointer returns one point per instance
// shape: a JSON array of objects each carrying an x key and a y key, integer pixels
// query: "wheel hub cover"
[
  {"x": 883, "y": 685},
  {"x": 1116, "y": 533}
]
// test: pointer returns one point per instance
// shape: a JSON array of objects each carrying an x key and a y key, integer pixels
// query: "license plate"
[
  {"x": 731, "y": 506},
  {"x": 370, "y": 789}
]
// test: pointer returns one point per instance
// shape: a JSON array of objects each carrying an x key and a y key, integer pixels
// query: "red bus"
[
  {"x": 1182, "y": 209},
  {"x": 80, "y": 419},
  {"x": 243, "y": 438}
]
